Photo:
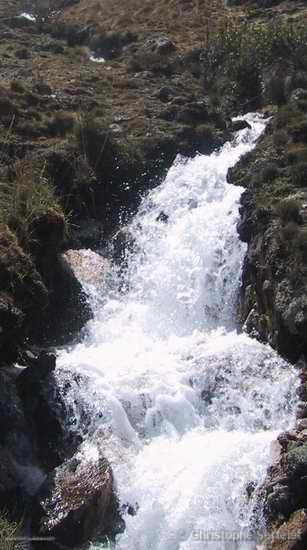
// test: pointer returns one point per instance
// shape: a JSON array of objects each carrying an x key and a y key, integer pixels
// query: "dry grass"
[
  {"x": 8, "y": 530},
  {"x": 25, "y": 199},
  {"x": 186, "y": 22}
]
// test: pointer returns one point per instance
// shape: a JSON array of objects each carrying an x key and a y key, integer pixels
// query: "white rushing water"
[{"x": 185, "y": 407}]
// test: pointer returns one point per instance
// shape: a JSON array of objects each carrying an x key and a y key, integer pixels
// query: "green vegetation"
[{"x": 238, "y": 52}]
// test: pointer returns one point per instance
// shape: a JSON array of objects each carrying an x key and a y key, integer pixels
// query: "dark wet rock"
[
  {"x": 86, "y": 234},
  {"x": 237, "y": 125},
  {"x": 66, "y": 296},
  {"x": 14, "y": 431},
  {"x": 50, "y": 412},
  {"x": 250, "y": 488},
  {"x": 20, "y": 474},
  {"x": 11, "y": 482},
  {"x": 76, "y": 502},
  {"x": 11, "y": 323},
  {"x": 162, "y": 217}
]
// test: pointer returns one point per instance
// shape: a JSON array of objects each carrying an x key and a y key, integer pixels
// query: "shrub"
[
  {"x": 242, "y": 50},
  {"x": 26, "y": 198},
  {"x": 289, "y": 211}
]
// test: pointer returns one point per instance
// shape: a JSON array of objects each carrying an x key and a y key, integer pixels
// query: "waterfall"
[{"x": 186, "y": 407}]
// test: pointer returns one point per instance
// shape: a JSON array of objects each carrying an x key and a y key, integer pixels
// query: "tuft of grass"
[
  {"x": 28, "y": 197},
  {"x": 8, "y": 530},
  {"x": 93, "y": 139}
]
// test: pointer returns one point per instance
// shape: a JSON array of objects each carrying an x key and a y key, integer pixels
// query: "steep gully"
[{"x": 185, "y": 406}]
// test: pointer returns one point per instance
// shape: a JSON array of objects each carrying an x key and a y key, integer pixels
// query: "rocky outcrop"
[
  {"x": 284, "y": 490},
  {"x": 76, "y": 502},
  {"x": 273, "y": 303}
]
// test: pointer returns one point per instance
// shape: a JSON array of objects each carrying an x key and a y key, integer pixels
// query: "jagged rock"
[{"x": 76, "y": 502}]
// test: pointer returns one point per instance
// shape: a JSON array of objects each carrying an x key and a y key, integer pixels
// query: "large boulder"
[{"x": 76, "y": 502}]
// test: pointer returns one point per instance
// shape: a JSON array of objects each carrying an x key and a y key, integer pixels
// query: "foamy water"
[{"x": 185, "y": 408}]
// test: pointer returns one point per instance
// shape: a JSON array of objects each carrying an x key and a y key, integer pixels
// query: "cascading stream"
[{"x": 186, "y": 408}]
